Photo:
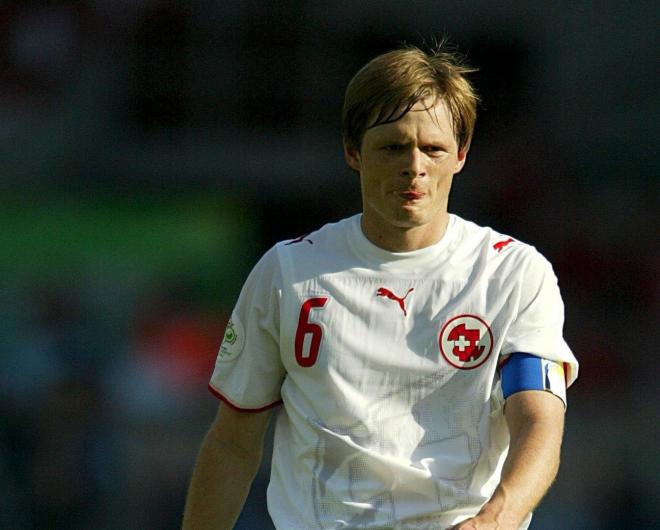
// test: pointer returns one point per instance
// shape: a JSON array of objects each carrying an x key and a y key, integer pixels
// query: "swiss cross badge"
[{"x": 466, "y": 341}]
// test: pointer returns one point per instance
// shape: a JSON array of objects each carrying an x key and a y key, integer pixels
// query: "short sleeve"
[
  {"x": 248, "y": 370},
  {"x": 537, "y": 327}
]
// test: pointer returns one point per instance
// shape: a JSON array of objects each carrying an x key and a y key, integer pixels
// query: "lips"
[{"x": 411, "y": 195}]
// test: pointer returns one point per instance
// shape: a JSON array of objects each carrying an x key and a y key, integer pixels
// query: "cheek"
[
  {"x": 373, "y": 185},
  {"x": 373, "y": 166},
  {"x": 444, "y": 175},
  {"x": 374, "y": 173},
  {"x": 445, "y": 168}
]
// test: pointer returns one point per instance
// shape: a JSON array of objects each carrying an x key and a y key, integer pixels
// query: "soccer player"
[{"x": 416, "y": 359}]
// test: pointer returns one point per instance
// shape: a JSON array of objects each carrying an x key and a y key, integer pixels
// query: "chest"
[{"x": 404, "y": 326}]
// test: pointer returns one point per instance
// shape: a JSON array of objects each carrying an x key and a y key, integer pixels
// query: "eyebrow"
[{"x": 436, "y": 137}]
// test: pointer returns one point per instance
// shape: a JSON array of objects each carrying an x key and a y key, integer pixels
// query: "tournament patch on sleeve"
[
  {"x": 233, "y": 341},
  {"x": 523, "y": 371}
]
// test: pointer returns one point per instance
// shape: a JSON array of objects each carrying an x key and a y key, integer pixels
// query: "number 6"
[{"x": 305, "y": 327}]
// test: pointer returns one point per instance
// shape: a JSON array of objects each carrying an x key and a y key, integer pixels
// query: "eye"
[
  {"x": 393, "y": 147},
  {"x": 433, "y": 149}
]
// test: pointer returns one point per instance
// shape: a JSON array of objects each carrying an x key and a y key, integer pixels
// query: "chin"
[{"x": 412, "y": 221}]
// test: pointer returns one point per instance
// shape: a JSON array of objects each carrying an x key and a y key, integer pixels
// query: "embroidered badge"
[
  {"x": 233, "y": 341},
  {"x": 466, "y": 341}
]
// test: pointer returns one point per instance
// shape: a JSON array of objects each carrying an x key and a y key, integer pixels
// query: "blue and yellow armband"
[{"x": 522, "y": 371}]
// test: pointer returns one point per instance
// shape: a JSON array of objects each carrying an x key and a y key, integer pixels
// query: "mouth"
[{"x": 410, "y": 195}]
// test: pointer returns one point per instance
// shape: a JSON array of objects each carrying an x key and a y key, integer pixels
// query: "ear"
[
  {"x": 462, "y": 157},
  {"x": 352, "y": 157}
]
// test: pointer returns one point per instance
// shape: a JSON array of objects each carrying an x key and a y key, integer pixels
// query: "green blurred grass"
[{"x": 207, "y": 241}]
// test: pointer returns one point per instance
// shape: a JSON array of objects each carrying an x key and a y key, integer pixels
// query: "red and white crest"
[{"x": 466, "y": 341}]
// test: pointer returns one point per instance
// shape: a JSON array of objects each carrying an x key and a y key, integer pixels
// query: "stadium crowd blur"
[{"x": 152, "y": 150}]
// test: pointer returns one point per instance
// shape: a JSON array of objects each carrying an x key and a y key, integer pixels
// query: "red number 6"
[{"x": 304, "y": 327}]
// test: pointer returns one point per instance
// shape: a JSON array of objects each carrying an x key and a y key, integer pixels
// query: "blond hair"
[{"x": 387, "y": 87}]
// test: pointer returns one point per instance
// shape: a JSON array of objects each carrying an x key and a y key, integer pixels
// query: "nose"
[{"x": 414, "y": 164}]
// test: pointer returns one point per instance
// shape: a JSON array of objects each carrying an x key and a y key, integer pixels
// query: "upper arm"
[
  {"x": 538, "y": 315},
  {"x": 531, "y": 408},
  {"x": 241, "y": 432},
  {"x": 523, "y": 371},
  {"x": 249, "y": 372}
]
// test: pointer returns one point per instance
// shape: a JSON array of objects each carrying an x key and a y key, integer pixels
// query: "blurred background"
[{"x": 152, "y": 150}]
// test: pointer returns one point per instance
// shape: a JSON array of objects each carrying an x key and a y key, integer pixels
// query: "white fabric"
[{"x": 385, "y": 430}]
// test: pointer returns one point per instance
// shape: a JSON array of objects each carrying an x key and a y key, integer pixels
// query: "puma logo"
[
  {"x": 382, "y": 291},
  {"x": 300, "y": 240},
  {"x": 499, "y": 246}
]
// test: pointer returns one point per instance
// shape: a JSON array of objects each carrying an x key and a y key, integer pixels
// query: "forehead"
[{"x": 428, "y": 117}]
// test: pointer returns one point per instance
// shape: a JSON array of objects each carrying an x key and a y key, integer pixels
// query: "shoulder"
[
  {"x": 330, "y": 236},
  {"x": 497, "y": 248},
  {"x": 314, "y": 253}
]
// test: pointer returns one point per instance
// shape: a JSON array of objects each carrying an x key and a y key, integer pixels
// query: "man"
[{"x": 393, "y": 340}]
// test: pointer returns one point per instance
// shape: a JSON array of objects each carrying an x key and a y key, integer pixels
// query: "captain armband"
[{"x": 522, "y": 371}]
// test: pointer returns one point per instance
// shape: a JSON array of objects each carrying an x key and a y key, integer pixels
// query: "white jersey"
[{"x": 387, "y": 366}]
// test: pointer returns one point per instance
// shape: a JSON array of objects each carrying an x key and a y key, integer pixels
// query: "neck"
[{"x": 402, "y": 238}]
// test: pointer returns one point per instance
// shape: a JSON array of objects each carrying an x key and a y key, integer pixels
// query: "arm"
[
  {"x": 536, "y": 423},
  {"x": 226, "y": 465}
]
